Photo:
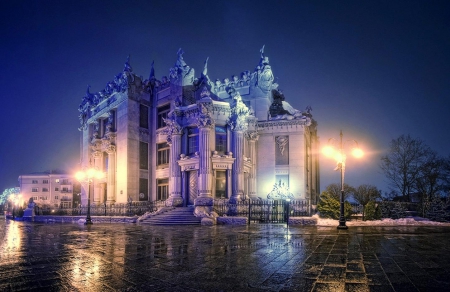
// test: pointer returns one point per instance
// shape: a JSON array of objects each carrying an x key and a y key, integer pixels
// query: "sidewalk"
[{"x": 131, "y": 257}]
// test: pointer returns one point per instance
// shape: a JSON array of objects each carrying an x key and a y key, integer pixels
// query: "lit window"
[
  {"x": 162, "y": 189},
  {"x": 221, "y": 184},
  {"x": 221, "y": 139},
  {"x": 163, "y": 154},
  {"x": 192, "y": 140},
  {"x": 57, "y": 180}
]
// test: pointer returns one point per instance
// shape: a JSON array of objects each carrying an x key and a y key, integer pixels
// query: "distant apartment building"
[{"x": 48, "y": 189}]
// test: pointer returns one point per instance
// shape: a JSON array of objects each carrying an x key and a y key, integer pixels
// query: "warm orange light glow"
[
  {"x": 357, "y": 153},
  {"x": 328, "y": 151},
  {"x": 89, "y": 174},
  {"x": 339, "y": 157},
  {"x": 80, "y": 175},
  {"x": 99, "y": 175}
]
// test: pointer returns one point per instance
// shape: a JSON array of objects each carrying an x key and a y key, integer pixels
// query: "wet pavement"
[{"x": 130, "y": 257}]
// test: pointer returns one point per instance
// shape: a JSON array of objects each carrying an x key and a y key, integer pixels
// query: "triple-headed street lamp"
[
  {"x": 339, "y": 155},
  {"x": 88, "y": 176}
]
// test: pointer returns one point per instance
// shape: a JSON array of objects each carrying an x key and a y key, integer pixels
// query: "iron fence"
[
  {"x": 263, "y": 211},
  {"x": 119, "y": 209}
]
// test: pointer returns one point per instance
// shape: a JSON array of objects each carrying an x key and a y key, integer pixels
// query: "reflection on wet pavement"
[{"x": 126, "y": 257}]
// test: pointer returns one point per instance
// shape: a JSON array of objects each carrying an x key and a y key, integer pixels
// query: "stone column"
[
  {"x": 205, "y": 168},
  {"x": 237, "y": 179},
  {"x": 98, "y": 164},
  {"x": 252, "y": 137},
  {"x": 174, "y": 131},
  {"x": 175, "y": 198},
  {"x": 111, "y": 175},
  {"x": 204, "y": 201}
]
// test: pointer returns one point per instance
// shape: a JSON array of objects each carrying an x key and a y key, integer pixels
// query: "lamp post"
[
  {"x": 340, "y": 157},
  {"x": 87, "y": 176}
]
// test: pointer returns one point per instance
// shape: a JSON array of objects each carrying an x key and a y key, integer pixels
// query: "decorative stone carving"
[
  {"x": 282, "y": 141},
  {"x": 173, "y": 127},
  {"x": 204, "y": 117},
  {"x": 282, "y": 110},
  {"x": 252, "y": 135},
  {"x": 121, "y": 83},
  {"x": 239, "y": 112},
  {"x": 280, "y": 191},
  {"x": 264, "y": 73}
]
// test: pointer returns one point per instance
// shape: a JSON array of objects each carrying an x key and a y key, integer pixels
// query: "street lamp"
[
  {"x": 87, "y": 176},
  {"x": 340, "y": 157}
]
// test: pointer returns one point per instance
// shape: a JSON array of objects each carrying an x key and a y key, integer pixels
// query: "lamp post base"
[
  {"x": 88, "y": 221},
  {"x": 342, "y": 225}
]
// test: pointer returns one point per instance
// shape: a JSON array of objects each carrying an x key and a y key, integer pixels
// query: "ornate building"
[{"x": 191, "y": 140}]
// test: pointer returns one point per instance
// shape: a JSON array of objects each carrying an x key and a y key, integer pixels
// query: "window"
[
  {"x": 143, "y": 116},
  {"x": 143, "y": 155},
  {"x": 34, "y": 190},
  {"x": 65, "y": 190},
  {"x": 56, "y": 197},
  {"x": 34, "y": 181},
  {"x": 43, "y": 198},
  {"x": 143, "y": 189},
  {"x": 65, "y": 182},
  {"x": 221, "y": 139},
  {"x": 45, "y": 189},
  {"x": 221, "y": 184},
  {"x": 192, "y": 140},
  {"x": 57, "y": 180},
  {"x": 56, "y": 189},
  {"x": 45, "y": 181},
  {"x": 163, "y": 154},
  {"x": 35, "y": 198},
  {"x": 162, "y": 189},
  {"x": 162, "y": 113}
]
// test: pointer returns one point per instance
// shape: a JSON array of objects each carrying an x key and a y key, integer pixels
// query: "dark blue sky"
[{"x": 375, "y": 69}]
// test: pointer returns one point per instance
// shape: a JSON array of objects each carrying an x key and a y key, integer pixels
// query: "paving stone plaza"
[{"x": 258, "y": 257}]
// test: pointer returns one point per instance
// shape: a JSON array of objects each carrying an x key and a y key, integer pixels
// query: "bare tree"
[
  {"x": 434, "y": 176},
  {"x": 364, "y": 194},
  {"x": 402, "y": 165},
  {"x": 335, "y": 191}
]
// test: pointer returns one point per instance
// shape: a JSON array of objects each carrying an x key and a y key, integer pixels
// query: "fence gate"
[{"x": 268, "y": 211}]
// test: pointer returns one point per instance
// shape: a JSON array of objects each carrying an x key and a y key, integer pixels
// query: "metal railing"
[{"x": 119, "y": 209}]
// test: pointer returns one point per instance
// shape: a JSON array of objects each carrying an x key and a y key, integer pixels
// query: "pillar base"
[{"x": 174, "y": 202}]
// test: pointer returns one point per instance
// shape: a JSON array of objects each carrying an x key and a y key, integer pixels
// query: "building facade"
[
  {"x": 48, "y": 189},
  {"x": 190, "y": 140}
]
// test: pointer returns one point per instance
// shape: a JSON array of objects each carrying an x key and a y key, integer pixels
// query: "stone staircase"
[{"x": 177, "y": 216}]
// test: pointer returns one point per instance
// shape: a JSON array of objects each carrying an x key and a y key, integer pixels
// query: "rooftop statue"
[
  {"x": 281, "y": 109},
  {"x": 127, "y": 67}
]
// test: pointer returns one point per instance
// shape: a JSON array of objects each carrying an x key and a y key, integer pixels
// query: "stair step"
[{"x": 177, "y": 216}]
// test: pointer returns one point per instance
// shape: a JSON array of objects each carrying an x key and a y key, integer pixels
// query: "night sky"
[{"x": 375, "y": 69}]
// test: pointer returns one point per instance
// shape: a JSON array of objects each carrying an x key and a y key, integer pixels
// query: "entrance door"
[{"x": 193, "y": 187}]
